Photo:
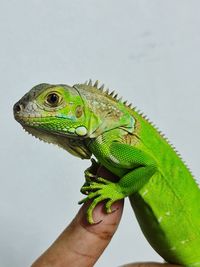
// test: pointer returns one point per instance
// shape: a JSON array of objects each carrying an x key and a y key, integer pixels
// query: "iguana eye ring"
[{"x": 53, "y": 99}]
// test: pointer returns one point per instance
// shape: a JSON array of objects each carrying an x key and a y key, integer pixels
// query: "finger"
[{"x": 82, "y": 244}]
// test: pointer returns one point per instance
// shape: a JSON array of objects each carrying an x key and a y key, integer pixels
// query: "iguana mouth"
[{"x": 32, "y": 118}]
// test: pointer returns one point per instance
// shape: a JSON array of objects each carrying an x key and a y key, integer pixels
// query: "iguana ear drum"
[{"x": 79, "y": 111}]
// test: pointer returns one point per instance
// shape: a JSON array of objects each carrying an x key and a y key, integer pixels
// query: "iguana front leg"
[
  {"x": 93, "y": 172},
  {"x": 140, "y": 168}
]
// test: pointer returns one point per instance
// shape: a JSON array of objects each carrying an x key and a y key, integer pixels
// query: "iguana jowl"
[{"x": 86, "y": 120}]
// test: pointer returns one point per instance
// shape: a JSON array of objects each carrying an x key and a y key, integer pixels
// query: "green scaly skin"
[{"x": 86, "y": 120}]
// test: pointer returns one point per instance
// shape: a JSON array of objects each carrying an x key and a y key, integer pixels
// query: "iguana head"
[
  {"x": 69, "y": 115},
  {"x": 55, "y": 114}
]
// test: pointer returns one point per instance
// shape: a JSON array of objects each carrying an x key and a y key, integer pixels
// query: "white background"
[{"x": 147, "y": 50}]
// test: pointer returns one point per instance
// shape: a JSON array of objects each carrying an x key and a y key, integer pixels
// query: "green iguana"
[{"x": 87, "y": 120}]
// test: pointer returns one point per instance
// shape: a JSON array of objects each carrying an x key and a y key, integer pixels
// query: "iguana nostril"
[{"x": 18, "y": 108}]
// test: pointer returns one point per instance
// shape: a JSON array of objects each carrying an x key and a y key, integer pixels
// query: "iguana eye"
[{"x": 53, "y": 99}]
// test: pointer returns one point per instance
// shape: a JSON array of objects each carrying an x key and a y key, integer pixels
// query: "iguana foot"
[
  {"x": 92, "y": 170},
  {"x": 98, "y": 191},
  {"x": 90, "y": 174}
]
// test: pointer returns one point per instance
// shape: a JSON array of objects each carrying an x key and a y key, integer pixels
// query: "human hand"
[{"x": 81, "y": 244}]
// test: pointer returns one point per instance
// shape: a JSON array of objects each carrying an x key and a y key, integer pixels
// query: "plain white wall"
[{"x": 147, "y": 50}]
